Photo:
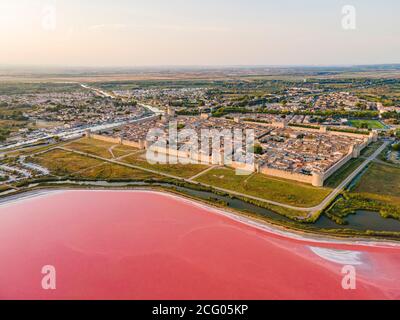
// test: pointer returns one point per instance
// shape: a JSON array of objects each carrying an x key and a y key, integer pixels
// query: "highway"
[
  {"x": 73, "y": 133},
  {"x": 67, "y": 134}
]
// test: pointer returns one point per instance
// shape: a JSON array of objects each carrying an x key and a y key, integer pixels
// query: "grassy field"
[
  {"x": 4, "y": 188},
  {"x": 372, "y": 124},
  {"x": 62, "y": 163},
  {"x": 13, "y": 125},
  {"x": 30, "y": 150},
  {"x": 380, "y": 179},
  {"x": 368, "y": 151},
  {"x": 99, "y": 148},
  {"x": 378, "y": 190},
  {"x": 25, "y": 85},
  {"x": 109, "y": 171},
  {"x": 334, "y": 180},
  {"x": 179, "y": 170},
  {"x": 120, "y": 151},
  {"x": 265, "y": 187}
]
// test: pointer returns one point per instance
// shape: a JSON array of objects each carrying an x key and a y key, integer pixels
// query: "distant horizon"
[
  {"x": 138, "y": 33},
  {"x": 195, "y": 66}
]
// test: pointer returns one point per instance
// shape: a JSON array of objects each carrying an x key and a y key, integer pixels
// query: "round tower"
[{"x": 317, "y": 179}]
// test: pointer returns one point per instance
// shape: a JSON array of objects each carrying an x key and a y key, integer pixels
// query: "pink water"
[{"x": 146, "y": 245}]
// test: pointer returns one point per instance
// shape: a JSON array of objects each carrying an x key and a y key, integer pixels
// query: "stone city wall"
[
  {"x": 103, "y": 138},
  {"x": 286, "y": 175},
  {"x": 316, "y": 179},
  {"x": 336, "y": 166},
  {"x": 141, "y": 144}
]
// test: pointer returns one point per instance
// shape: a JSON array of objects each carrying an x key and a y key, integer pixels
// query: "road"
[
  {"x": 98, "y": 91},
  {"x": 115, "y": 96},
  {"x": 350, "y": 178},
  {"x": 182, "y": 179},
  {"x": 203, "y": 172},
  {"x": 311, "y": 210},
  {"x": 119, "y": 163},
  {"x": 73, "y": 133}
]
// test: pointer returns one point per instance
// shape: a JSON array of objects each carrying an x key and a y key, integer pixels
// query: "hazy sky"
[{"x": 197, "y": 32}]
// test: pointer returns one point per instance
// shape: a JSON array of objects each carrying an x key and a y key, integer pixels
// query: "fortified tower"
[
  {"x": 171, "y": 112},
  {"x": 142, "y": 144},
  {"x": 317, "y": 179},
  {"x": 237, "y": 119},
  {"x": 354, "y": 151},
  {"x": 280, "y": 124},
  {"x": 373, "y": 135}
]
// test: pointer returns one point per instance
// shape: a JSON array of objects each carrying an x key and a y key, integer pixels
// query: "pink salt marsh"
[{"x": 149, "y": 245}]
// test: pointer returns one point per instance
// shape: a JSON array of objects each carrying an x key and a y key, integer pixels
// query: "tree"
[{"x": 257, "y": 149}]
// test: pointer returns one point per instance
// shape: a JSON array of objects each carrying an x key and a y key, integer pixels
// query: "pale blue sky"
[{"x": 197, "y": 32}]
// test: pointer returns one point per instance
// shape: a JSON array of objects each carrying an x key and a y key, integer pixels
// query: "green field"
[
  {"x": 368, "y": 151},
  {"x": 380, "y": 179},
  {"x": 335, "y": 179},
  {"x": 366, "y": 124},
  {"x": 179, "y": 170},
  {"x": 4, "y": 188},
  {"x": 110, "y": 171},
  {"x": 99, "y": 148},
  {"x": 259, "y": 185},
  {"x": 62, "y": 163},
  {"x": 59, "y": 163},
  {"x": 378, "y": 190},
  {"x": 23, "y": 87},
  {"x": 30, "y": 150}
]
